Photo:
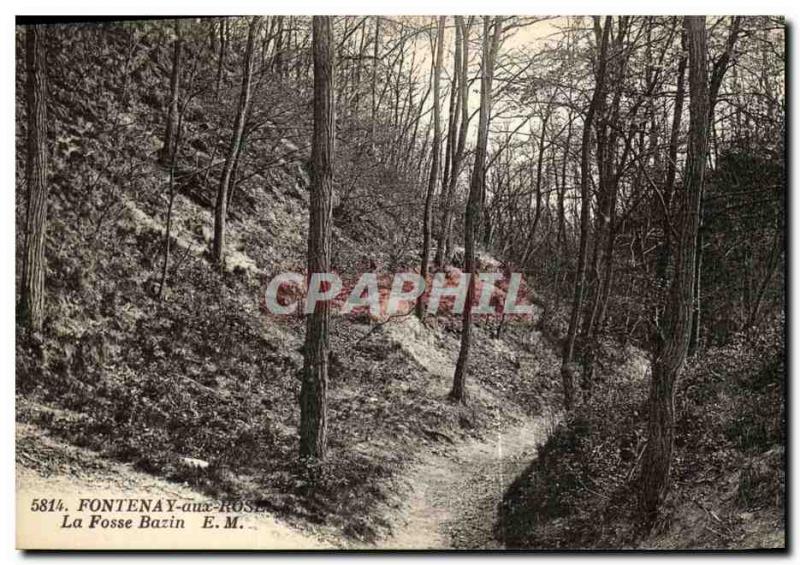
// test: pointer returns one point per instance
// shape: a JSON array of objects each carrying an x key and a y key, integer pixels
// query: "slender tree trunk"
[
  {"x": 221, "y": 209},
  {"x": 663, "y": 258},
  {"x": 174, "y": 88},
  {"x": 374, "y": 86},
  {"x": 313, "y": 394},
  {"x": 396, "y": 88},
  {"x": 608, "y": 273},
  {"x": 562, "y": 223},
  {"x": 212, "y": 36},
  {"x": 170, "y": 207},
  {"x": 445, "y": 242},
  {"x": 452, "y": 134},
  {"x": 476, "y": 188},
  {"x": 694, "y": 334},
  {"x": 537, "y": 214},
  {"x": 167, "y": 232},
  {"x": 356, "y": 105},
  {"x": 277, "y": 60},
  {"x": 673, "y": 341},
  {"x": 33, "y": 266},
  {"x": 567, "y": 369},
  {"x": 223, "y": 47},
  {"x": 611, "y": 171},
  {"x": 436, "y": 155},
  {"x": 235, "y": 168},
  {"x": 292, "y": 45},
  {"x": 717, "y": 75}
]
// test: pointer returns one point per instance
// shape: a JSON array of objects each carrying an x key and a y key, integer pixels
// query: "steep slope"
[{"x": 728, "y": 476}]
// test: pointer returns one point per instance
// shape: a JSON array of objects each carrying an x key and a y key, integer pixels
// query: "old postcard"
[{"x": 401, "y": 282}]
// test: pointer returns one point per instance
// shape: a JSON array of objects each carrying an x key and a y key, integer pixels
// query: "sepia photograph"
[{"x": 386, "y": 283}]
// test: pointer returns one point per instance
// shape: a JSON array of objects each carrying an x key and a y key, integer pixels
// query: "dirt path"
[{"x": 455, "y": 497}]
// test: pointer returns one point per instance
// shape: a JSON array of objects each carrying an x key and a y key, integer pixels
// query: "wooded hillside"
[{"x": 631, "y": 168}]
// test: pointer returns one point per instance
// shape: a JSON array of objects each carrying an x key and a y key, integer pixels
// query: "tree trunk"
[
  {"x": 609, "y": 177},
  {"x": 436, "y": 155},
  {"x": 356, "y": 105},
  {"x": 174, "y": 88},
  {"x": 562, "y": 223},
  {"x": 221, "y": 209},
  {"x": 663, "y": 258},
  {"x": 33, "y": 266},
  {"x": 235, "y": 168},
  {"x": 374, "y": 82},
  {"x": 473, "y": 214},
  {"x": 567, "y": 370},
  {"x": 277, "y": 60},
  {"x": 673, "y": 342},
  {"x": 167, "y": 233},
  {"x": 171, "y": 204},
  {"x": 717, "y": 74},
  {"x": 454, "y": 109},
  {"x": 313, "y": 404},
  {"x": 212, "y": 36},
  {"x": 537, "y": 214},
  {"x": 223, "y": 47},
  {"x": 694, "y": 334},
  {"x": 445, "y": 238}
]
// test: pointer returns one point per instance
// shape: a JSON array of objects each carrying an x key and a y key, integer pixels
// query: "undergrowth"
[{"x": 581, "y": 490}]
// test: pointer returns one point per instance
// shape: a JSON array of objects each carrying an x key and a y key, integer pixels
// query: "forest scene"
[{"x": 407, "y": 282}]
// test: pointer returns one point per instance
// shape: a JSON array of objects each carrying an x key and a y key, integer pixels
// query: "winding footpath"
[{"x": 455, "y": 498}]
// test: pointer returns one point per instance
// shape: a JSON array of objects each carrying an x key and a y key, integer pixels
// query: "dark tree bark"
[
  {"x": 537, "y": 214},
  {"x": 436, "y": 156},
  {"x": 221, "y": 208},
  {"x": 33, "y": 266},
  {"x": 717, "y": 75},
  {"x": 567, "y": 369},
  {"x": 673, "y": 340},
  {"x": 453, "y": 111},
  {"x": 174, "y": 88},
  {"x": 212, "y": 36},
  {"x": 223, "y": 49},
  {"x": 376, "y": 48},
  {"x": 562, "y": 222},
  {"x": 445, "y": 242},
  {"x": 356, "y": 105},
  {"x": 277, "y": 59},
  {"x": 664, "y": 254},
  {"x": 491, "y": 41},
  {"x": 313, "y": 403},
  {"x": 610, "y": 170},
  {"x": 694, "y": 334},
  {"x": 172, "y": 192}
]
